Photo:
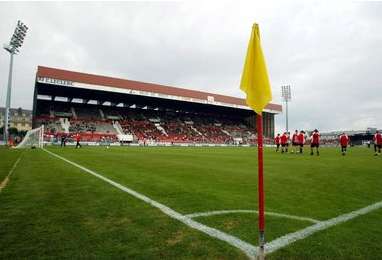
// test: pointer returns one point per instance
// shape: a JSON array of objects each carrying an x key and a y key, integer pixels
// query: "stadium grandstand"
[{"x": 99, "y": 107}]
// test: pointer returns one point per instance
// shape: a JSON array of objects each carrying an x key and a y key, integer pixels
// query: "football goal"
[{"x": 33, "y": 139}]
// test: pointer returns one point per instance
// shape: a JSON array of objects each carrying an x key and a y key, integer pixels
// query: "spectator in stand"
[
  {"x": 78, "y": 139},
  {"x": 315, "y": 142},
  {"x": 295, "y": 142},
  {"x": 284, "y": 142},
  {"x": 344, "y": 142},
  {"x": 377, "y": 143},
  {"x": 301, "y": 140},
  {"x": 277, "y": 142}
]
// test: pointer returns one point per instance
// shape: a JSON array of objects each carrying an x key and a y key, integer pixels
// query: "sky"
[{"x": 329, "y": 52}]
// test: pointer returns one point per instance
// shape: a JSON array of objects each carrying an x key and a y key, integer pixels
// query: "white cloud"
[{"x": 328, "y": 52}]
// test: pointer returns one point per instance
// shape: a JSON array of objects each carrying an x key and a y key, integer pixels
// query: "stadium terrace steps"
[
  {"x": 117, "y": 127},
  {"x": 150, "y": 125}
]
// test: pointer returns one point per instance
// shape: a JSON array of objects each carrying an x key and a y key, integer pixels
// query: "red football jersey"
[
  {"x": 284, "y": 139},
  {"x": 277, "y": 140},
  {"x": 295, "y": 138},
  {"x": 315, "y": 138},
  {"x": 378, "y": 138},
  {"x": 344, "y": 140},
  {"x": 78, "y": 137},
  {"x": 301, "y": 138}
]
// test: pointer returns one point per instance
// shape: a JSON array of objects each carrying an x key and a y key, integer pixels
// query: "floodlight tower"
[
  {"x": 286, "y": 95},
  {"x": 13, "y": 48}
]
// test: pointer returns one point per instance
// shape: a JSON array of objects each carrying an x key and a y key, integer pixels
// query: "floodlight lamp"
[
  {"x": 17, "y": 38},
  {"x": 19, "y": 30},
  {"x": 285, "y": 92},
  {"x": 7, "y": 47},
  {"x": 21, "y": 25}
]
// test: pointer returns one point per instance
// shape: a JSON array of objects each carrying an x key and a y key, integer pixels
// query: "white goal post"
[{"x": 33, "y": 139}]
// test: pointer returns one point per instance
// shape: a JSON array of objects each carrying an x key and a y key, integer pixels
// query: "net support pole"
[{"x": 259, "y": 125}]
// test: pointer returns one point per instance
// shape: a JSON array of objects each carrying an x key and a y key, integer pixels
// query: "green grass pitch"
[{"x": 51, "y": 209}]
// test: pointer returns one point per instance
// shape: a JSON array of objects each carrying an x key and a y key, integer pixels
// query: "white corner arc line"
[
  {"x": 303, "y": 233},
  {"x": 220, "y": 212},
  {"x": 248, "y": 249}
]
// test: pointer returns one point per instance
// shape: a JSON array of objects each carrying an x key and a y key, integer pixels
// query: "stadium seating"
[
  {"x": 178, "y": 128},
  {"x": 95, "y": 122}
]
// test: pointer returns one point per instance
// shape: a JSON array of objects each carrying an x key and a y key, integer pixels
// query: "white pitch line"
[
  {"x": 248, "y": 249},
  {"x": 220, "y": 212},
  {"x": 293, "y": 237},
  {"x": 6, "y": 179}
]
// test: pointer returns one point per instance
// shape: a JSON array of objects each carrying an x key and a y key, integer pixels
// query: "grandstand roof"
[{"x": 84, "y": 80}]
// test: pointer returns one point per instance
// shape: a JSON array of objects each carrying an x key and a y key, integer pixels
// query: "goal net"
[{"x": 33, "y": 139}]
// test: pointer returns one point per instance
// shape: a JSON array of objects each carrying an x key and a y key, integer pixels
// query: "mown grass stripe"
[
  {"x": 248, "y": 249},
  {"x": 3, "y": 184},
  {"x": 301, "y": 234}
]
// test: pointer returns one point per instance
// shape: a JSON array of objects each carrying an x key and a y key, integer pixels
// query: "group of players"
[
  {"x": 77, "y": 137},
  {"x": 104, "y": 141},
  {"x": 299, "y": 138}
]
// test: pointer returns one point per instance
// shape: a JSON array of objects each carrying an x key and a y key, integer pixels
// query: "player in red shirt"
[
  {"x": 344, "y": 141},
  {"x": 284, "y": 142},
  {"x": 301, "y": 140},
  {"x": 377, "y": 143},
  {"x": 315, "y": 141},
  {"x": 78, "y": 139},
  {"x": 277, "y": 142},
  {"x": 295, "y": 142}
]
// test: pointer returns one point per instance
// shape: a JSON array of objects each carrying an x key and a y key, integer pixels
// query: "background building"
[{"x": 21, "y": 119}]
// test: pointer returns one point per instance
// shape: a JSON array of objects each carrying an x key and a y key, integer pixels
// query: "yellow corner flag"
[{"x": 254, "y": 80}]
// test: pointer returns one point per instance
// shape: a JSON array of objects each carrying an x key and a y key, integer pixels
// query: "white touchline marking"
[
  {"x": 275, "y": 214},
  {"x": 248, "y": 249},
  {"x": 6, "y": 179},
  {"x": 303, "y": 233}
]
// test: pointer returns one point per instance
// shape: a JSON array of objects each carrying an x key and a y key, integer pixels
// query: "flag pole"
[
  {"x": 255, "y": 84},
  {"x": 259, "y": 126}
]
